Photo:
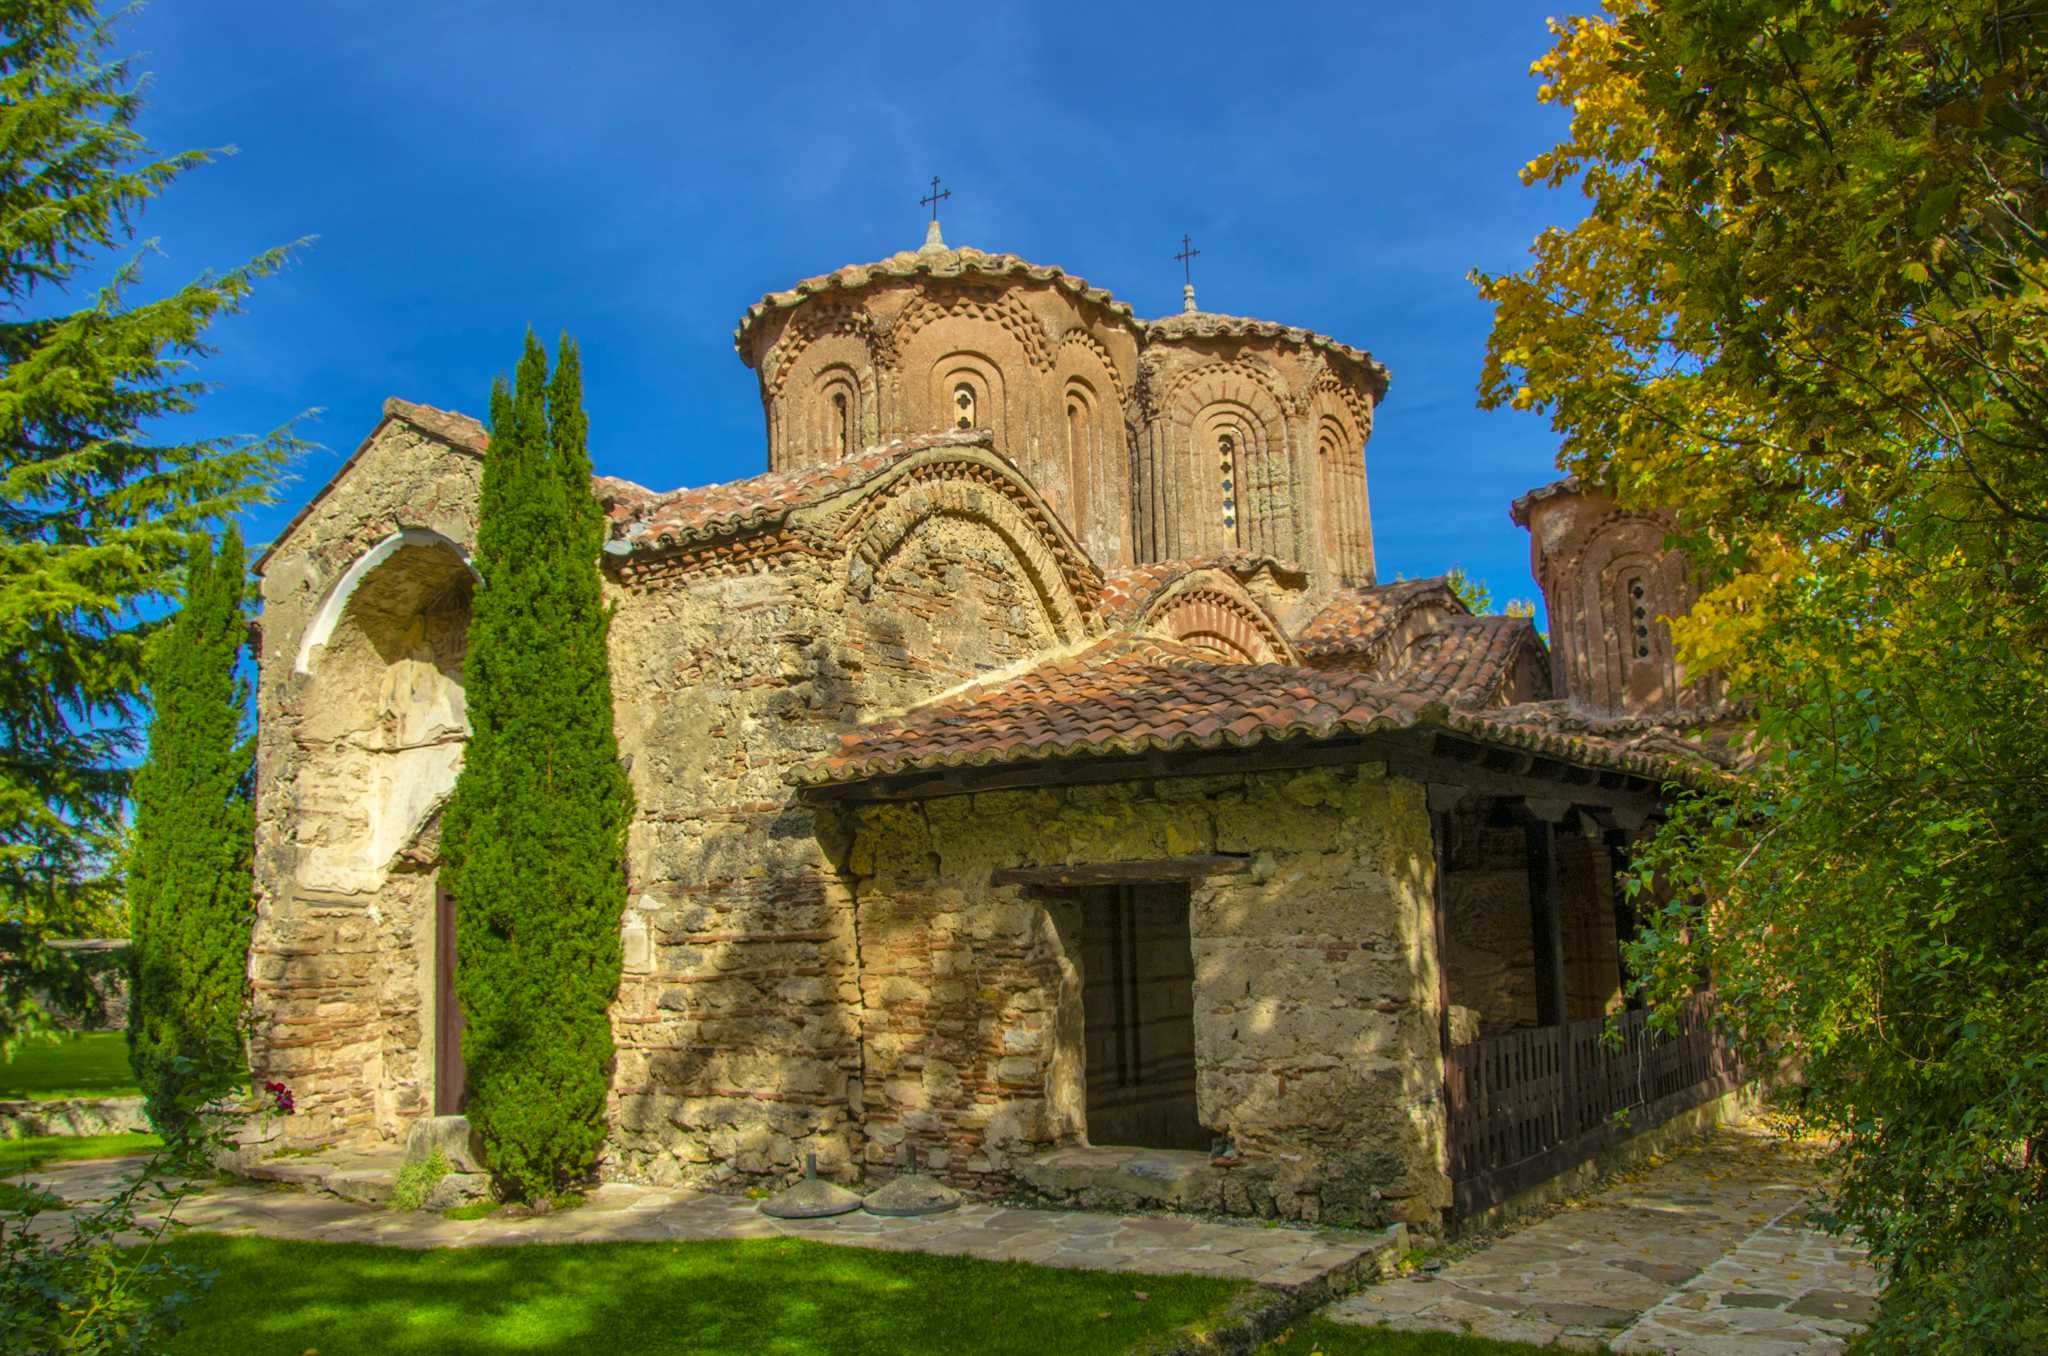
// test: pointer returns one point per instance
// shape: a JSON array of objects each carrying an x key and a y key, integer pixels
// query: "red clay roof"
[
  {"x": 1206, "y": 325},
  {"x": 1129, "y": 695},
  {"x": 1467, "y": 660},
  {"x": 1519, "y": 509},
  {"x": 1128, "y": 591},
  {"x": 457, "y": 430},
  {"x": 965, "y": 261},
  {"x": 1354, "y": 623},
  {"x": 685, "y": 516}
]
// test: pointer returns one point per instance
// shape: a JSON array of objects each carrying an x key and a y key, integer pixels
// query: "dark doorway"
[
  {"x": 1138, "y": 1002},
  {"x": 451, "y": 1088}
]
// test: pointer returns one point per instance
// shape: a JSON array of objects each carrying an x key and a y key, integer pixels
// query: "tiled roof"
[
  {"x": 1356, "y": 621},
  {"x": 1519, "y": 510},
  {"x": 450, "y": 426},
  {"x": 1127, "y": 592},
  {"x": 459, "y": 431},
  {"x": 1468, "y": 659},
  {"x": 687, "y": 516},
  {"x": 1203, "y": 325},
  {"x": 937, "y": 263},
  {"x": 1129, "y": 695}
]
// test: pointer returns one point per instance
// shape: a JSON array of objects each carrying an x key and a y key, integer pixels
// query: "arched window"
[
  {"x": 1226, "y": 466},
  {"x": 842, "y": 424},
  {"x": 963, "y": 405},
  {"x": 1081, "y": 452},
  {"x": 1636, "y": 607}
]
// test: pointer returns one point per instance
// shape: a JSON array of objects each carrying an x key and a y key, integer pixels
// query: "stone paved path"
[
  {"x": 1155, "y": 1245},
  {"x": 1708, "y": 1254}
]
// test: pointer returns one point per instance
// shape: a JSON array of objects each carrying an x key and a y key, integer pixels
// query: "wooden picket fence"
[{"x": 1528, "y": 1104}]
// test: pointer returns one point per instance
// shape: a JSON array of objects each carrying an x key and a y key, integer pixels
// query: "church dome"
[
  {"x": 1184, "y": 438},
  {"x": 944, "y": 338}
]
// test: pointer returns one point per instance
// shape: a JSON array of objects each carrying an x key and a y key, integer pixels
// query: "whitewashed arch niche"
[{"x": 385, "y": 714}]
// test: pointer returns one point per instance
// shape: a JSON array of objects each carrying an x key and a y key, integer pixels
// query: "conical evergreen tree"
[
  {"x": 95, "y": 517},
  {"x": 190, "y": 896},
  {"x": 534, "y": 837}
]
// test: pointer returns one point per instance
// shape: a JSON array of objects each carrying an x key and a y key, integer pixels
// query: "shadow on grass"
[
  {"x": 766, "y": 1297},
  {"x": 1347, "y": 1339},
  {"x": 20, "y": 1155},
  {"x": 92, "y": 1064}
]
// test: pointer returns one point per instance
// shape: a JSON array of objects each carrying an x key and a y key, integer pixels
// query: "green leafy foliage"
[
  {"x": 190, "y": 897},
  {"x": 417, "y": 1180},
  {"x": 96, "y": 516},
  {"x": 534, "y": 836},
  {"x": 83, "y": 1285},
  {"x": 1808, "y": 310}
]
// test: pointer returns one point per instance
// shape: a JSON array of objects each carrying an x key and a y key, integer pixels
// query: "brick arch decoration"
[
  {"x": 805, "y": 328},
  {"x": 1080, "y": 339},
  {"x": 1066, "y": 583},
  {"x": 1210, "y": 610},
  {"x": 998, "y": 307},
  {"x": 1177, "y": 512},
  {"x": 1327, "y": 386}
]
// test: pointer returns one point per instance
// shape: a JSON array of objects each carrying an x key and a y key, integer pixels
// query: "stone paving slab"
[
  {"x": 1282, "y": 1255},
  {"x": 1707, "y": 1254}
]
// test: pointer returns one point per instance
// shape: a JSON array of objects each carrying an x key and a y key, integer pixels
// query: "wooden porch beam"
[{"x": 1124, "y": 873}]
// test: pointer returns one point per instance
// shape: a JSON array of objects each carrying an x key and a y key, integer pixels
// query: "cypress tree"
[
  {"x": 95, "y": 517},
  {"x": 190, "y": 896},
  {"x": 534, "y": 836}
]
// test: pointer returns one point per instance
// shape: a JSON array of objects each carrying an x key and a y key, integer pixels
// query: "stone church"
[{"x": 1032, "y": 770}]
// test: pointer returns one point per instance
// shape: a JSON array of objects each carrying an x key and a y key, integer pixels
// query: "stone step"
[
  {"x": 1125, "y": 1179},
  {"x": 367, "y": 1178}
]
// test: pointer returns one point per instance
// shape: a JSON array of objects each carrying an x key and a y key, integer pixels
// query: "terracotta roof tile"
[
  {"x": 1519, "y": 509},
  {"x": 1127, "y": 592},
  {"x": 1467, "y": 661},
  {"x": 684, "y": 516},
  {"x": 1204, "y": 325},
  {"x": 459, "y": 431},
  {"x": 1129, "y": 695},
  {"x": 450, "y": 426},
  {"x": 941, "y": 263},
  {"x": 1352, "y": 626}
]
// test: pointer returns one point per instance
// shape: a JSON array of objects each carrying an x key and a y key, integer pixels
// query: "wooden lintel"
[
  {"x": 1122, "y": 873},
  {"x": 1441, "y": 758}
]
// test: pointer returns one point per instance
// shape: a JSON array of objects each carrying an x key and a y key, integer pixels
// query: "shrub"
[{"x": 535, "y": 833}]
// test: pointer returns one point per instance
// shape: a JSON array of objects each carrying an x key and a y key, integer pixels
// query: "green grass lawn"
[
  {"x": 94, "y": 1064},
  {"x": 1320, "y": 1338},
  {"x": 19, "y": 1155},
  {"x": 756, "y": 1297}
]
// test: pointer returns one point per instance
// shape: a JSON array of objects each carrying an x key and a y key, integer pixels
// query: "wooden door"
[{"x": 450, "y": 1086}]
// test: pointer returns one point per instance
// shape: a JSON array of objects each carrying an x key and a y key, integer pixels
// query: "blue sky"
[{"x": 638, "y": 173}]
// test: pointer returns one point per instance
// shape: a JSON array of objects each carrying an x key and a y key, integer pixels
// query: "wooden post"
[
  {"x": 1441, "y": 799},
  {"x": 1546, "y": 916}
]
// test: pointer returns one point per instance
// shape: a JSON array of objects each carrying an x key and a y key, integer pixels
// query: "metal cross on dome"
[
  {"x": 1187, "y": 257},
  {"x": 931, "y": 199}
]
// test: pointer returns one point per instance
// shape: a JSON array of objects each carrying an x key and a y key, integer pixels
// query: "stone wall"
[
  {"x": 359, "y": 732},
  {"x": 739, "y": 1016},
  {"x": 1314, "y": 989}
]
